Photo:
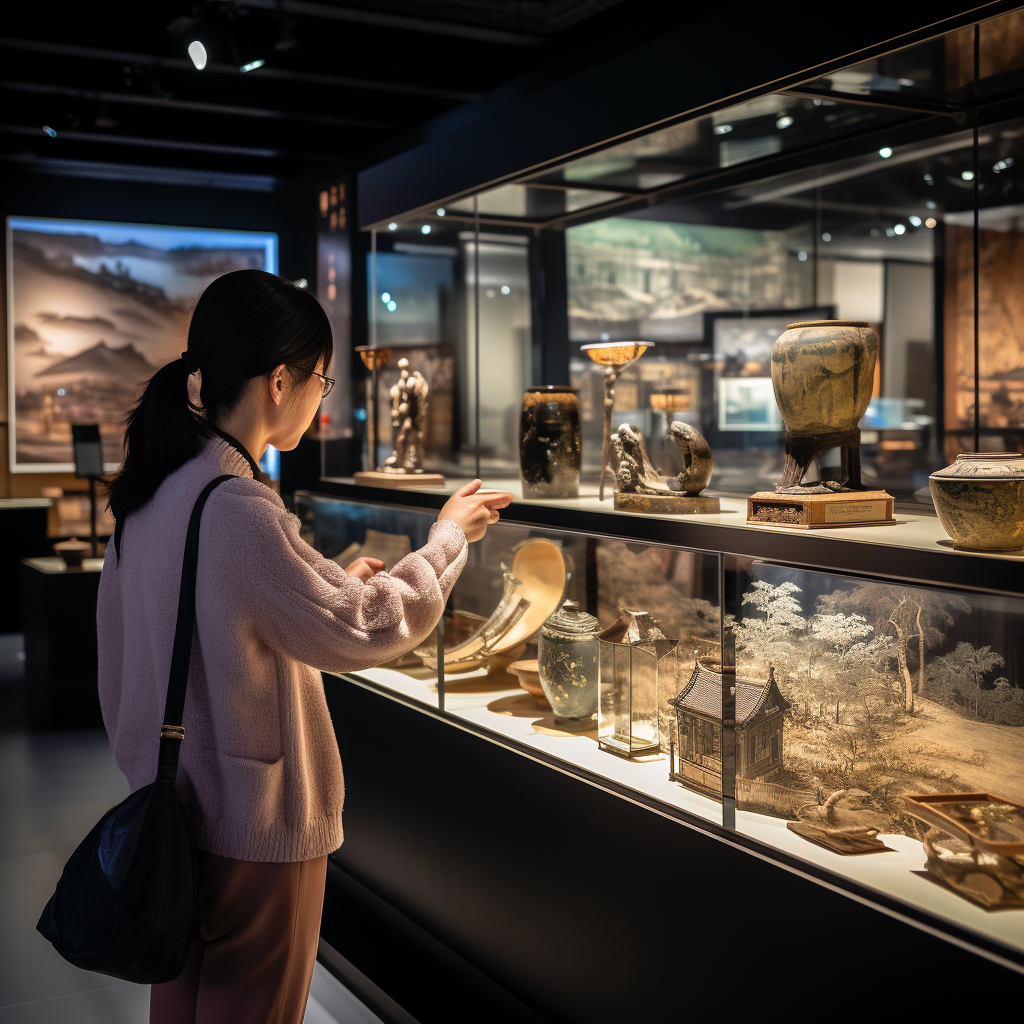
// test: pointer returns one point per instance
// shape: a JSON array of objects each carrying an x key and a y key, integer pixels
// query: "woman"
[{"x": 259, "y": 773}]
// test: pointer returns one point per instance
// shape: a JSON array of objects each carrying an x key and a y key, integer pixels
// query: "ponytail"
[{"x": 244, "y": 325}]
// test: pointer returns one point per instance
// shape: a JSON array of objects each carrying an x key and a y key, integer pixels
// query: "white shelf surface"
[
  {"x": 921, "y": 532},
  {"x": 510, "y": 713}
]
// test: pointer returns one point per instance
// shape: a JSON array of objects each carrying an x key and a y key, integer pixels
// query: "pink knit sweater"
[{"x": 259, "y": 774}]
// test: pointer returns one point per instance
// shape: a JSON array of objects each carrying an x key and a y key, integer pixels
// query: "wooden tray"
[{"x": 929, "y": 807}]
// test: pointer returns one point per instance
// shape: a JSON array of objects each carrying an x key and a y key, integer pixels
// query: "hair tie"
[{"x": 189, "y": 362}]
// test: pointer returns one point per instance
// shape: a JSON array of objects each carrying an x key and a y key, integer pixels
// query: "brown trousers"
[{"x": 253, "y": 960}]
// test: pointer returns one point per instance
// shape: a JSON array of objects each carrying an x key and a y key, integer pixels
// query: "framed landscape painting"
[{"x": 94, "y": 309}]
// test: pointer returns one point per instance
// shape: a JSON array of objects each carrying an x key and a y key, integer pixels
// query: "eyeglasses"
[{"x": 329, "y": 382}]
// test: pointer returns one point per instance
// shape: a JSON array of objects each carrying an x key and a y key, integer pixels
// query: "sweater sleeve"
[{"x": 307, "y": 607}]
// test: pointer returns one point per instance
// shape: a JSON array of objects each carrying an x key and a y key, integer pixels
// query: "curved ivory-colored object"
[{"x": 533, "y": 591}]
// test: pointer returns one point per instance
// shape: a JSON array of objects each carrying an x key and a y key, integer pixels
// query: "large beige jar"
[{"x": 823, "y": 372}]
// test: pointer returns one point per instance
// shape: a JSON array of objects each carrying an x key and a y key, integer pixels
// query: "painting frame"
[{"x": 261, "y": 249}]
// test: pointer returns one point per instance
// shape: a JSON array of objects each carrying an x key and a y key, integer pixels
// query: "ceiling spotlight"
[
  {"x": 723, "y": 129},
  {"x": 50, "y": 131},
  {"x": 826, "y": 237},
  {"x": 890, "y": 233},
  {"x": 197, "y": 52},
  {"x": 505, "y": 290},
  {"x": 907, "y": 83},
  {"x": 252, "y": 65},
  {"x": 915, "y": 220},
  {"x": 932, "y": 205},
  {"x": 784, "y": 122},
  {"x": 802, "y": 255},
  {"x": 392, "y": 306},
  {"x": 967, "y": 175},
  {"x": 899, "y": 229},
  {"x": 392, "y": 226},
  {"x": 885, "y": 152},
  {"x": 1003, "y": 165},
  {"x": 929, "y": 180},
  {"x": 440, "y": 211},
  {"x": 425, "y": 229},
  {"x": 385, "y": 297},
  {"x": 930, "y": 222}
]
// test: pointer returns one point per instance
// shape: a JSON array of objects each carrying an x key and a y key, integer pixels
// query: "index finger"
[{"x": 467, "y": 489}]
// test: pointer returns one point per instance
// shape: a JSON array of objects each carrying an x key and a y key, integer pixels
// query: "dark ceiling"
[{"x": 113, "y": 84}]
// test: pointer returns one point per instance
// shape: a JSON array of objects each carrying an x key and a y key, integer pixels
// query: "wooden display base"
[
  {"x": 856, "y": 843},
  {"x": 665, "y": 505},
  {"x": 820, "y": 511},
  {"x": 377, "y": 478}
]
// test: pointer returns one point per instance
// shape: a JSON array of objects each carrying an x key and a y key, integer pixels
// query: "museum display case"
[
  {"x": 809, "y": 710},
  {"x": 774, "y": 639}
]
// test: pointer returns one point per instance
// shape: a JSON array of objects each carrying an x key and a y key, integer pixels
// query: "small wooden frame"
[
  {"x": 820, "y": 511},
  {"x": 397, "y": 481},
  {"x": 930, "y": 807}
]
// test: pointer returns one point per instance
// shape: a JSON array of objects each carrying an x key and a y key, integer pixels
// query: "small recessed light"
[
  {"x": 197, "y": 52},
  {"x": 490, "y": 293},
  {"x": 885, "y": 152},
  {"x": 967, "y": 175},
  {"x": 929, "y": 180},
  {"x": 252, "y": 65},
  {"x": 915, "y": 220},
  {"x": 899, "y": 229},
  {"x": 392, "y": 226},
  {"x": 723, "y": 129},
  {"x": 802, "y": 255},
  {"x": 890, "y": 233},
  {"x": 826, "y": 237},
  {"x": 932, "y": 205},
  {"x": 784, "y": 122},
  {"x": 440, "y": 211},
  {"x": 61, "y": 392},
  {"x": 907, "y": 83},
  {"x": 874, "y": 232},
  {"x": 425, "y": 229},
  {"x": 505, "y": 290},
  {"x": 385, "y": 297},
  {"x": 49, "y": 131},
  {"x": 392, "y": 306},
  {"x": 1002, "y": 165},
  {"x": 930, "y": 222}
]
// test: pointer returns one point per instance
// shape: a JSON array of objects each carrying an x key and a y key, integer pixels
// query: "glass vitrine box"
[{"x": 849, "y": 701}]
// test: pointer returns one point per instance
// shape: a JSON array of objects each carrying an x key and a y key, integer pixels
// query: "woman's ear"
[{"x": 278, "y": 381}]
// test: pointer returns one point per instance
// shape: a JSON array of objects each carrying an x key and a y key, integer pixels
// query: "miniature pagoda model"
[{"x": 698, "y": 739}]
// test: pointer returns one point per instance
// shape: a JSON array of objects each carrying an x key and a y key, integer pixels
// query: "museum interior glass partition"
[{"x": 853, "y": 197}]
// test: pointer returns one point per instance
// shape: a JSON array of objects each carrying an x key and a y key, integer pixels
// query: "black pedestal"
[{"x": 59, "y": 622}]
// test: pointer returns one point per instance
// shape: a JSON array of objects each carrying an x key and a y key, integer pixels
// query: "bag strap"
[{"x": 171, "y": 732}]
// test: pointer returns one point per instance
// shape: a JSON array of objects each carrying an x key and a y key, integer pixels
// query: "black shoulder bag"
[{"x": 126, "y": 902}]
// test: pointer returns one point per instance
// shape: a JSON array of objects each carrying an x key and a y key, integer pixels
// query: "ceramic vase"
[
  {"x": 568, "y": 664},
  {"x": 550, "y": 442},
  {"x": 823, "y": 372},
  {"x": 979, "y": 500}
]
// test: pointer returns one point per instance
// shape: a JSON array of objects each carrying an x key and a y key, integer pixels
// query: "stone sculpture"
[{"x": 639, "y": 487}]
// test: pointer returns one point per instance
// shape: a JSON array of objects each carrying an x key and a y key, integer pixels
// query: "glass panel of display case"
[
  {"x": 532, "y": 202},
  {"x": 871, "y": 707},
  {"x": 764, "y": 127}
]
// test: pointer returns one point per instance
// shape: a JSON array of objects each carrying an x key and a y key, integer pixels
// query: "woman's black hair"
[{"x": 244, "y": 325}]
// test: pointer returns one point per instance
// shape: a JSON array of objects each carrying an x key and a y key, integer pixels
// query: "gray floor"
[{"x": 53, "y": 787}]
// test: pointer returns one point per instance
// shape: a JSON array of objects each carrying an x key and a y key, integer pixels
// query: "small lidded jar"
[{"x": 568, "y": 659}]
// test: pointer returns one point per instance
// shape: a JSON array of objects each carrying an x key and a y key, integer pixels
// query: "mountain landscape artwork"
[{"x": 94, "y": 310}]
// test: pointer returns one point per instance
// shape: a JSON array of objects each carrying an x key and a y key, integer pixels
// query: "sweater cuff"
[{"x": 449, "y": 538}]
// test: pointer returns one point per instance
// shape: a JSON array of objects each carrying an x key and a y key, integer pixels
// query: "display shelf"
[
  {"x": 507, "y": 716},
  {"x": 915, "y": 548}
]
